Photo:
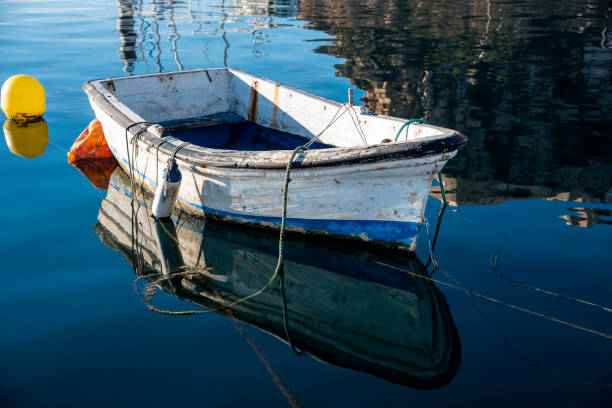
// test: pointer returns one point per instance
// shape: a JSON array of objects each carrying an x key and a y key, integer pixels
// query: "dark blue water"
[{"x": 524, "y": 249}]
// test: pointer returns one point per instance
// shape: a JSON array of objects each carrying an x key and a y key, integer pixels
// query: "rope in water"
[
  {"x": 432, "y": 259},
  {"x": 59, "y": 146},
  {"x": 152, "y": 289},
  {"x": 516, "y": 352},
  {"x": 286, "y": 315},
  {"x": 432, "y": 246},
  {"x": 280, "y": 261},
  {"x": 283, "y": 226},
  {"x": 494, "y": 260},
  {"x": 494, "y": 266},
  {"x": 497, "y": 301}
]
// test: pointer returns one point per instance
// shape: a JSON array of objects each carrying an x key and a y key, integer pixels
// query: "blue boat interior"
[{"x": 231, "y": 132}]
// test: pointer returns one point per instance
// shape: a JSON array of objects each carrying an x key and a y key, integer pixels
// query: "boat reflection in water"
[{"x": 339, "y": 304}]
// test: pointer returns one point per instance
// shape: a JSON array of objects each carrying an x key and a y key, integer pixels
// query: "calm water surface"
[{"x": 517, "y": 312}]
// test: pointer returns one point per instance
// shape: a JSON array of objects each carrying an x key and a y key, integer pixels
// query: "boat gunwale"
[{"x": 275, "y": 159}]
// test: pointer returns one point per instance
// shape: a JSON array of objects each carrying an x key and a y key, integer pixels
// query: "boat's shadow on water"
[{"x": 335, "y": 302}]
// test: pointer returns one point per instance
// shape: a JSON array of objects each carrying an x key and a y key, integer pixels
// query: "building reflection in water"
[
  {"x": 528, "y": 82},
  {"x": 587, "y": 217}
]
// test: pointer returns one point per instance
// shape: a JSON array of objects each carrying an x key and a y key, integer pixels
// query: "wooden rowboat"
[
  {"x": 352, "y": 309},
  {"x": 356, "y": 182}
]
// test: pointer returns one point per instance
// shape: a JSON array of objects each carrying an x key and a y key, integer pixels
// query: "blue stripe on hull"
[
  {"x": 389, "y": 231},
  {"x": 394, "y": 232}
]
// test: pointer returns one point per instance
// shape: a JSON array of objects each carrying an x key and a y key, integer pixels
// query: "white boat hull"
[{"x": 381, "y": 201}]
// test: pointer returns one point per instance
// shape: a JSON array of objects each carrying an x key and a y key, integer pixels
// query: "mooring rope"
[
  {"x": 171, "y": 159},
  {"x": 441, "y": 182},
  {"x": 59, "y": 146},
  {"x": 127, "y": 142},
  {"x": 357, "y": 124},
  {"x": 150, "y": 290},
  {"x": 433, "y": 260},
  {"x": 497, "y": 301},
  {"x": 494, "y": 260},
  {"x": 432, "y": 244},
  {"x": 157, "y": 146},
  {"x": 131, "y": 171},
  {"x": 155, "y": 309},
  {"x": 280, "y": 262},
  {"x": 176, "y": 149},
  {"x": 440, "y": 179},
  {"x": 281, "y": 240},
  {"x": 515, "y": 352},
  {"x": 134, "y": 141},
  {"x": 408, "y": 122}
]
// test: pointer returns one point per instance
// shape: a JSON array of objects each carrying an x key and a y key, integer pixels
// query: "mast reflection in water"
[
  {"x": 143, "y": 36},
  {"x": 334, "y": 303}
]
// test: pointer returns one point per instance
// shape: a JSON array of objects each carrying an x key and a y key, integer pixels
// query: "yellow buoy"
[
  {"x": 27, "y": 140},
  {"x": 23, "y": 98}
]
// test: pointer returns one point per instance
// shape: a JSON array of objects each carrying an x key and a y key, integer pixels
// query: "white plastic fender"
[{"x": 166, "y": 192}]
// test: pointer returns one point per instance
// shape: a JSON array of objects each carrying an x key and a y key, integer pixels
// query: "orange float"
[{"x": 90, "y": 144}]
